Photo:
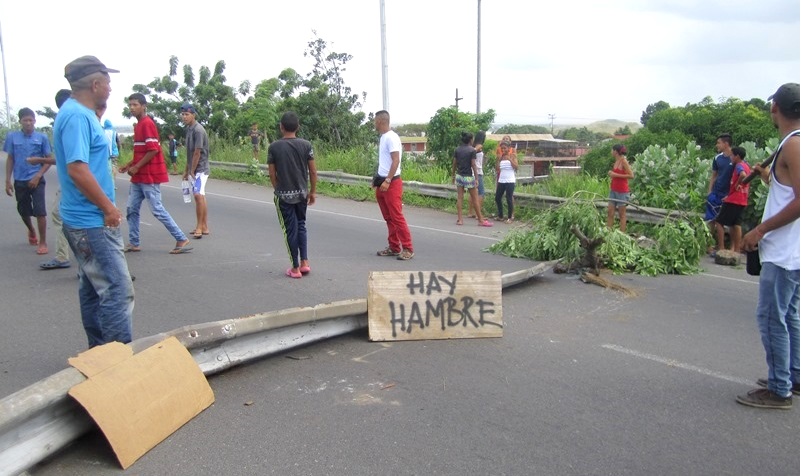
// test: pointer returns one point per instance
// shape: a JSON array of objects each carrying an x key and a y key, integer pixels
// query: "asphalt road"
[{"x": 584, "y": 381}]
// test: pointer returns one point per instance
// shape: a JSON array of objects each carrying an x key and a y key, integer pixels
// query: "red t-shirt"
[
  {"x": 619, "y": 184},
  {"x": 146, "y": 138},
  {"x": 739, "y": 194}
]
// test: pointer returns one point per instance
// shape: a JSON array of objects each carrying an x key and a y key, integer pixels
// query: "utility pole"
[
  {"x": 5, "y": 79},
  {"x": 457, "y": 99},
  {"x": 552, "y": 116},
  {"x": 385, "y": 88},
  {"x": 479, "y": 57}
]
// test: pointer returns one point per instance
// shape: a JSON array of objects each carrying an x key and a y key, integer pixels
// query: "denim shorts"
[
  {"x": 481, "y": 185},
  {"x": 619, "y": 199},
  {"x": 30, "y": 201}
]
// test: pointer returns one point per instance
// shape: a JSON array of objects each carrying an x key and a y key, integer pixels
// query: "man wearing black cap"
[
  {"x": 777, "y": 240},
  {"x": 197, "y": 166},
  {"x": 91, "y": 221}
]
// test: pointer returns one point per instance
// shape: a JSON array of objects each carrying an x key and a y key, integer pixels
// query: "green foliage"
[
  {"x": 446, "y": 126},
  {"x": 599, "y": 160},
  {"x": 651, "y": 109},
  {"x": 623, "y": 131},
  {"x": 522, "y": 129},
  {"x": 678, "y": 244},
  {"x": 583, "y": 135},
  {"x": 704, "y": 121},
  {"x": 410, "y": 130},
  {"x": 566, "y": 185},
  {"x": 666, "y": 177}
]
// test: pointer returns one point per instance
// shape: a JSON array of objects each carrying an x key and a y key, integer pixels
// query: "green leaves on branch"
[
  {"x": 674, "y": 247},
  {"x": 446, "y": 127}
]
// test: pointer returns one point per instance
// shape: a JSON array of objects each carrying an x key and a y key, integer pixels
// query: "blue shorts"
[
  {"x": 619, "y": 199},
  {"x": 712, "y": 207},
  {"x": 465, "y": 181},
  {"x": 481, "y": 182}
]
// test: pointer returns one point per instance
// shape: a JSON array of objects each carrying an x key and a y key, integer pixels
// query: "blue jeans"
[
  {"x": 139, "y": 192},
  {"x": 778, "y": 321},
  {"x": 292, "y": 217},
  {"x": 105, "y": 290}
]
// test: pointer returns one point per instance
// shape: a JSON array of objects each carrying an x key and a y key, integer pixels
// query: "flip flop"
[
  {"x": 132, "y": 249},
  {"x": 305, "y": 269},
  {"x": 42, "y": 250},
  {"x": 459, "y": 222},
  {"x": 179, "y": 250},
  {"x": 197, "y": 236},
  {"x": 294, "y": 275},
  {"x": 33, "y": 240},
  {"x": 487, "y": 223}
]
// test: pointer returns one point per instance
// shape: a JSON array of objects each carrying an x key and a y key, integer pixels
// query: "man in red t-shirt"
[
  {"x": 148, "y": 171},
  {"x": 735, "y": 202}
]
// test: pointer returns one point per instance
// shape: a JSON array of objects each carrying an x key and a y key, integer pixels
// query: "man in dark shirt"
[{"x": 291, "y": 164}]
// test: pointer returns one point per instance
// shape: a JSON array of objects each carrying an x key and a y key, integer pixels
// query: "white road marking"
[
  {"x": 731, "y": 279},
  {"x": 678, "y": 364}
]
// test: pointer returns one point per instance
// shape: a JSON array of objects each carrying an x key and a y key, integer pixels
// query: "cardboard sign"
[
  {"x": 417, "y": 305},
  {"x": 139, "y": 400}
]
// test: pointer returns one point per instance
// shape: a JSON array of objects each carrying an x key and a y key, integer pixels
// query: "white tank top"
[{"x": 780, "y": 246}]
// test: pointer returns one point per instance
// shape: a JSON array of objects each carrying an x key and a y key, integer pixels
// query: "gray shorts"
[{"x": 619, "y": 199}]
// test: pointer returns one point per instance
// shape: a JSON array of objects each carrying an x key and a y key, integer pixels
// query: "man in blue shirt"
[
  {"x": 719, "y": 185},
  {"x": 28, "y": 179},
  {"x": 91, "y": 220}
]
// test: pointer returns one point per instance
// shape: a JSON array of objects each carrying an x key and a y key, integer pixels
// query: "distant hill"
[{"x": 609, "y": 126}]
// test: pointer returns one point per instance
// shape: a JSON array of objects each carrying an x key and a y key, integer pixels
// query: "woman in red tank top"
[{"x": 619, "y": 187}]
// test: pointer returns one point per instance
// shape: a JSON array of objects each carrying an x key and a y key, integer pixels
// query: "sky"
[{"x": 578, "y": 60}]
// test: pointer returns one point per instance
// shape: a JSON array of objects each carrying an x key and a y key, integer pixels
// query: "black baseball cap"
[
  {"x": 787, "y": 97},
  {"x": 84, "y": 66}
]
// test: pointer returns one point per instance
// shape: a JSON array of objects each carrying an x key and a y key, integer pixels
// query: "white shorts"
[{"x": 199, "y": 184}]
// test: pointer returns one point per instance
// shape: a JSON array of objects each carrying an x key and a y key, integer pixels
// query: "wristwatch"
[{"x": 388, "y": 180}]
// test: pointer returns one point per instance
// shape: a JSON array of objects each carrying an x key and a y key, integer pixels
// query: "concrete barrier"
[{"x": 39, "y": 420}]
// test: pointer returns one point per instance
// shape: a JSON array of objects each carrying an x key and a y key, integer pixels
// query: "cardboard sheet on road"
[{"x": 139, "y": 400}]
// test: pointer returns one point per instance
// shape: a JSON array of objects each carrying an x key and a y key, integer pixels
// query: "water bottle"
[{"x": 186, "y": 191}]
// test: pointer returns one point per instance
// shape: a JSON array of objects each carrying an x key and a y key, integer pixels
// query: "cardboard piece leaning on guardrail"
[
  {"x": 139, "y": 400},
  {"x": 417, "y": 305}
]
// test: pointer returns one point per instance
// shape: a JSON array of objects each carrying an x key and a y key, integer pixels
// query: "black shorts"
[
  {"x": 30, "y": 202},
  {"x": 730, "y": 214}
]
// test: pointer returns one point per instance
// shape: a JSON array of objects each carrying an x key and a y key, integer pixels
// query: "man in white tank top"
[{"x": 777, "y": 240}]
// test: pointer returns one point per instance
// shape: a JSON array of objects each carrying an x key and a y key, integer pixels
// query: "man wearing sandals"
[
  {"x": 29, "y": 181},
  {"x": 389, "y": 189},
  {"x": 197, "y": 171},
  {"x": 91, "y": 220},
  {"x": 291, "y": 164},
  {"x": 148, "y": 171}
]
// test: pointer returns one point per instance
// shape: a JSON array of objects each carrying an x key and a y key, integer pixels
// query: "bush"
[{"x": 666, "y": 177}]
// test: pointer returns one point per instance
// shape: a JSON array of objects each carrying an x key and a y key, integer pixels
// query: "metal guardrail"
[
  {"x": 635, "y": 213},
  {"x": 39, "y": 420}
]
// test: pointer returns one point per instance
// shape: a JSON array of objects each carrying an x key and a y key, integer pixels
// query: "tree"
[
  {"x": 410, "y": 130},
  {"x": 328, "y": 109},
  {"x": 623, "y": 131},
  {"x": 522, "y": 129},
  {"x": 215, "y": 101},
  {"x": 651, "y": 109},
  {"x": 446, "y": 127}
]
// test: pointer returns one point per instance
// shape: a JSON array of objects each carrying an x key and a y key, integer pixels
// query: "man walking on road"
[
  {"x": 777, "y": 240},
  {"x": 197, "y": 166},
  {"x": 148, "y": 171},
  {"x": 291, "y": 164},
  {"x": 389, "y": 190},
  {"x": 28, "y": 179},
  {"x": 91, "y": 221}
]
